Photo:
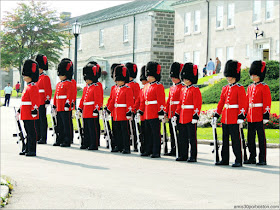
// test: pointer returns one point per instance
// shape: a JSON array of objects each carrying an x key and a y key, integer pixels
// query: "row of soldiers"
[{"x": 127, "y": 101}]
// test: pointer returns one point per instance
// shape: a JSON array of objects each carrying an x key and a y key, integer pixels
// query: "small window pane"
[
  {"x": 219, "y": 18},
  {"x": 187, "y": 22}
]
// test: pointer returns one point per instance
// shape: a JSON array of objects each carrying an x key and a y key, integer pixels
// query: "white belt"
[
  {"x": 251, "y": 105},
  {"x": 89, "y": 103},
  {"x": 150, "y": 102},
  {"x": 228, "y": 106},
  {"x": 41, "y": 90},
  {"x": 120, "y": 105},
  {"x": 61, "y": 97},
  {"x": 174, "y": 102},
  {"x": 26, "y": 103},
  {"x": 187, "y": 106}
]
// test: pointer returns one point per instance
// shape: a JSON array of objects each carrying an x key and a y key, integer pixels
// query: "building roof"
[
  {"x": 181, "y": 2},
  {"x": 123, "y": 10}
]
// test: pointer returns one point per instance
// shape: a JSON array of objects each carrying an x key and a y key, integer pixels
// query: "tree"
[{"x": 30, "y": 29}]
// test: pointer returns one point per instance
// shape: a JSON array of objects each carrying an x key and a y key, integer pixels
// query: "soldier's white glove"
[
  {"x": 17, "y": 115},
  {"x": 66, "y": 109},
  {"x": 194, "y": 121},
  {"x": 265, "y": 121},
  {"x": 239, "y": 121},
  {"x": 128, "y": 117},
  {"x": 161, "y": 117},
  {"x": 47, "y": 105}
]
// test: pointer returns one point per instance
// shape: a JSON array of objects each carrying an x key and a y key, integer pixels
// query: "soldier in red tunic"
[
  {"x": 121, "y": 105},
  {"x": 132, "y": 68},
  {"x": 30, "y": 102},
  {"x": 152, "y": 107},
  {"x": 62, "y": 103},
  {"x": 90, "y": 104},
  {"x": 173, "y": 101},
  {"x": 45, "y": 92},
  {"x": 232, "y": 106},
  {"x": 259, "y": 99},
  {"x": 188, "y": 111}
]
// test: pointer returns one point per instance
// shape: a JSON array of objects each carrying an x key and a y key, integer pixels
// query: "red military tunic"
[
  {"x": 101, "y": 90},
  {"x": 45, "y": 88},
  {"x": 259, "y": 98},
  {"x": 141, "y": 95},
  {"x": 232, "y": 103},
  {"x": 153, "y": 100},
  {"x": 63, "y": 94},
  {"x": 92, "y": 99},
  {"x": 112, "y": 93},
  {"x": 190, "y": 104},
  {"x": 135, "y": 89},
  {"x": 121, "y": 102},
  {"x": 74, "y": 93},
  {"x": 30, "y": 100},
  {"x": 173, "y": 99}
]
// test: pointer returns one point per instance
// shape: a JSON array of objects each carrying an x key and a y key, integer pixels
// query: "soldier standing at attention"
[
  {"x": 188, "y": 111},
  {"x": 232, "y": 106},
  {"x": 45, "y": 92},
  {"x": 152, "y": 107},
  {"x": 259, "y": 98},
  {"x": 30, "y": 101}
]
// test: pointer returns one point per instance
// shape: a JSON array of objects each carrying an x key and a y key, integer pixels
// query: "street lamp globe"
[{"x": 76, "y": 28}]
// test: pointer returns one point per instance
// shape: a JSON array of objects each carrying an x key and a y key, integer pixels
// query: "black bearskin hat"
[
  {"x": 65, "y": 68},
  {"x": 132, "y": 68},
  {"x": 96, "y": 64},
  {"x": 91, "y": 72},
  {"x": 190, "y": 72},
  {"x": 113, "y": 69},
  {"x": 175, "y": 69},
  {"x": 31, "y": 69},
  {"x": 258, "y": 68},
  {"x": 233, "y": 69},
  {"x": 121, "y": 73},
  {"x": 153, "y": 69},
  {"x": 143, "y": 75},
  {"x": 42, "y": 61}
]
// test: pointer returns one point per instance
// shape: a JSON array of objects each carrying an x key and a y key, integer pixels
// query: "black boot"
[
  {"x": 222, "y": 163},
  {"x": 261, "y": 163},
  {"x": 83, "y": 147},
  {"x": 65, "y": 145},
  {"x": 181, "y": 159},
  {"x": 145, "y": 154},
  {"x": 30, "y": 154},
  {"x": 236, "y": 164},
  {"x": 41, "y": 141},
  {"x": 116, "y": 149},
  {"x": 56, "y": 144},
  {"x": 191, "y": 160},
  {"x": 250, "y": 161},
  {"x": 155, "y": 156},
  {"x": 22, "y": 153}
]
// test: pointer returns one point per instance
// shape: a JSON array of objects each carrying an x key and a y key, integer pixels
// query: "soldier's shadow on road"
[{"x": 72, "y": 163}]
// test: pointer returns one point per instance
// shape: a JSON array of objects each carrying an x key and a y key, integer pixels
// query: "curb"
[{"x": 268, "y": 145}]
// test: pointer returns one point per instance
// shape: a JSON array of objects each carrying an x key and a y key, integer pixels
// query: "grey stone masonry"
[{"x": 163, "y": 43}]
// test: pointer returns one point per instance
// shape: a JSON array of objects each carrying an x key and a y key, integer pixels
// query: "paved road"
[{"x": 69, "y": 178}]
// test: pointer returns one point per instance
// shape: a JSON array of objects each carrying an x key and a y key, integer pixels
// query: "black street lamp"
[
  {"x": 257, "y": 33},
  {"x": 76, "y": 32}
]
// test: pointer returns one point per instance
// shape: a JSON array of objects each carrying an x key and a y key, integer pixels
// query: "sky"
[{"x": 76, "y": 8}]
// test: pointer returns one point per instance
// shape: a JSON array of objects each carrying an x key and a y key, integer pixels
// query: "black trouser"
[
  {"x": 142, "y": 136},
  {"x": 153, "y": 137},
  {"x": 122, "y": 135},
  {"x": 252, "y": 129},
  {"x": 72, "y": 128},
  {"x": 42, "y": 124},
  {"x": 7, "y": 99},
  {"x": 113, "y": 133},
  {"x": 173, "y": 145},
  {"x": 31, "y": 128},
  {"x": 64, "y": 127},
  {"x": 91, "y": 132},
  {"x": 233, "y": 131},
  {"x": 187, "y": 135},
  {"x": 98, "y": 130}
]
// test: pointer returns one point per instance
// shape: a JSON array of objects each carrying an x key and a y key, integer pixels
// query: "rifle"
[
  {"x": 106, "y": 129},
  {"x": 243, "y": 144},
  {"x": 54, "y": 122},
  {"x": 19, "y": 134},
  {"x": 80, "y": 128},
  {"x": 215, "y": 144},
  {"x": 137, "y": 126},
  {"x": 131, "y": 132},
  {"x": 173, "y": 122},
  {"x": 164, "y": 136}
]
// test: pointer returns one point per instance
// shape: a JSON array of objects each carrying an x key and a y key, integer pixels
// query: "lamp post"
[
  {"x": 257, "y": 33},
  {"x": 76, "y": 32}
]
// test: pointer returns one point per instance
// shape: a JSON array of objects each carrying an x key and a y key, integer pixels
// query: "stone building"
[
  {"x": 226, "y": 29},
  {"x": 138, "y": 31}
]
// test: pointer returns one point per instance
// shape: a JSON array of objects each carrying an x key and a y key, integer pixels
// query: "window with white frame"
[
  {"x": 101, "y": 37},
  {"x": 187, "y": 23},
  {"x": 257, "y": 10},
  {"x": 196, "y": 57},
  {"x": 219, "y": 53},
  {"x": 230, "y": 53},
  {"x": 247, "y": 50},
  {"x": 197, "y": 21},
  {"x": 79, "y": 76},
  {"x": 125, "y": 32},
  {"x": 79, "y": 42},
  {"x": 187, "y": 57},
  {"x": 269, "y": 10},
  {"x": 277, "y": 46},
  {"x": 230, "y": 16},
  {"x": 219, "y": 17}
]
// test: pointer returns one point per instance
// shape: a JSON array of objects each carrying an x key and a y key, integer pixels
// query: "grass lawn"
[
  {"x": 205, "y": 79},
  {"x": 14, "y": 93},
  {"x": 272, "y": 135}
]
